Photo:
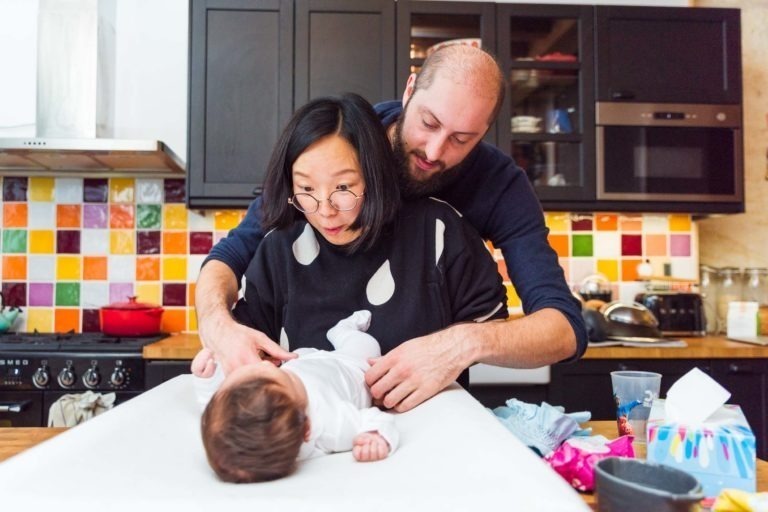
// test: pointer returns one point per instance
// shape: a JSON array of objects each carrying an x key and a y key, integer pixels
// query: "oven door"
[
  {"x": 670, "y": 153},
  {"x": 21, "y": 409},
  {"x": 52, "y": 396}
]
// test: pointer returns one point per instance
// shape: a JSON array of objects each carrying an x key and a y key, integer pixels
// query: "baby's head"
[{"x": 254, "y": 425}]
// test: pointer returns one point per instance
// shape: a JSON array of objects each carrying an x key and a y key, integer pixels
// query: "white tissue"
[{"x": 694, "y": 398}]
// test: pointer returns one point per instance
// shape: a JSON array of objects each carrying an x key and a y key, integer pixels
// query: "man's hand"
[
  {"x": 369, "y": 446},
  {"x": 415, "y": 371}
]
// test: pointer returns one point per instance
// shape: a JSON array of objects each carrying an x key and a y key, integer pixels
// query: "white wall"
[{"x": 18, "y": 53}]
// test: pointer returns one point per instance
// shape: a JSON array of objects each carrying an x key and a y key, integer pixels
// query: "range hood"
[{"x": 75, "y": 108}]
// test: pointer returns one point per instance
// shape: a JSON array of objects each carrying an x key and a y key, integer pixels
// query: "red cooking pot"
[{"x": 131, "y": 318}]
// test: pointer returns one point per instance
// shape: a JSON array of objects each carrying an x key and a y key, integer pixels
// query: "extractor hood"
[{"x": 75, "y": 107}]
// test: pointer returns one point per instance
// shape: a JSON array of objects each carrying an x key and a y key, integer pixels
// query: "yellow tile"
[
  {"x": 122, "y": 241},
  {"x": 40, "y": 319},
  {"x": 174, "y": 216},
  {"x": 609, "y": 268},
  {"x": 679, "y": 222},
  {"x": 121, "y": 190},
  {"x": 148, "y": 292},
  {"x": 557, "y": 221},
  {"x": 226, "y": 219},
  {"x": 41, "y": 189},
  {"x": 192, "y": 320},
  {"x": 513, "y": 301},
  {"x": 174, "y": 268},
  {"x": 41, "y": 241},
  {"x": 68, "y": 268}
]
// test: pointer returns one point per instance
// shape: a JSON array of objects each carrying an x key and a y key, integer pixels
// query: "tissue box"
[{"x": 720, "y": 452}]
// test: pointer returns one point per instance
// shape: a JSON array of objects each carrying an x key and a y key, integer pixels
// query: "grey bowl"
[{"x": 629, "y": 485}]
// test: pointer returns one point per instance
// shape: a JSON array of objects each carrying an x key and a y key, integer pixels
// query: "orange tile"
[
  {"x": 66, "y": 320},
  {"x": 606, "y": 222},
  {"x": 15, "y": 215},
  {"x": 560, "y": 244},
  {"x": 191, "y": 294},
  {"x": 14, "y": 268},
  {"x": 94, "y": 267},
  {"x": 680, "y": 222},
  {"x": 655, "y": 245},
  {"x": 68, "y": 215},
  {"x": 503, "y": 270},
  {"x": 609, "y": 268},
  {"x": 121, "y": 216},
  {"x": 147, "y": 268},
  {"x": 174, "y": 320},
  {"x": 174, "y": 242},
  {"x": 631, "y": 222},
  {"x": 629, "y": 269}
]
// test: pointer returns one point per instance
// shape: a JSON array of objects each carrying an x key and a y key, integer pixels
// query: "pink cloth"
[{"x": 575, "y": 459}]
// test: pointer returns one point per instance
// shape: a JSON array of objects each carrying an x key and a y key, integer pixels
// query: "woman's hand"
[{"x": 369, "y": 447}]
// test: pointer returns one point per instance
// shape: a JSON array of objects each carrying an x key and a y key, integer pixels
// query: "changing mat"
[{"x": 148, "y": 454}]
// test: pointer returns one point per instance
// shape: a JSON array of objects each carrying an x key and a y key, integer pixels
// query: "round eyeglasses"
[{"x": 342, "y": 200}]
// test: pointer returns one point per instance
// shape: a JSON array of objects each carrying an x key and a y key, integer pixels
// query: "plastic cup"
[{"x": 633, "y": 393}]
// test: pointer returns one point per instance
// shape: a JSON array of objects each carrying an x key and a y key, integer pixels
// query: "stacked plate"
[{"x": 526, "y": 124}]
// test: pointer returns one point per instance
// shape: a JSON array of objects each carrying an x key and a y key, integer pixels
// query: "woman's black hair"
[{"x": 352, "y": 118}]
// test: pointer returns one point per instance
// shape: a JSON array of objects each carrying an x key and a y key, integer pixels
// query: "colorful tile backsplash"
[{"x": 72, "y": 245}]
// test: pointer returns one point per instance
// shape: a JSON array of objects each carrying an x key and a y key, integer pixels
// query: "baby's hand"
[
  {"x": 369, "y": 447},
  {"x": 203, "y": 365}
]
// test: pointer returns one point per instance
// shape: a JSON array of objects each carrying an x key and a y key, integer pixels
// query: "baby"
[{"x": 260, "y": 419}]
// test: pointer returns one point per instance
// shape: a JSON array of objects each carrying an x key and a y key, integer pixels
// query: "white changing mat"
[{"x": 147, "y": 454}]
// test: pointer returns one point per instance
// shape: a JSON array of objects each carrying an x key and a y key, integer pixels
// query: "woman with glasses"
[{"x": 339, "y": 239}]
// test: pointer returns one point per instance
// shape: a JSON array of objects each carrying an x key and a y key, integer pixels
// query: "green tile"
[
  {"x": 582, "y": 245},
  {"x": 67, "y": 294},
  {"x": 15, "y": 240},
  {"x": 148, "y": 216}
]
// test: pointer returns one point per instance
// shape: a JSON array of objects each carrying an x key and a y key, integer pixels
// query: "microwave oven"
[{"x": 669, "y": 152}]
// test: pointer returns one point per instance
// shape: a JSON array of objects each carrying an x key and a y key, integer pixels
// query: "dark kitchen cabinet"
[
  {"x": 692, "y": 55},
  {"x": 586, "y": 385},
  {"x": 158, "y": 371},
  {"x": 252, "y": 62},
  {"x": 547, "y": 120}
]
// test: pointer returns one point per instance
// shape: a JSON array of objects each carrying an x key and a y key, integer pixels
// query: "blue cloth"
[
  {"x": 542, "y": 427},
  {"x": 496, "y": 198}
]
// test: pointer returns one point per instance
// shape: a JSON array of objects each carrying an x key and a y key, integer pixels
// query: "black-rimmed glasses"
[{"x": 342, "y": 200}]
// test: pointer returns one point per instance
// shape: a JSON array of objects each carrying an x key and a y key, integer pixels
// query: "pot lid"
[{"x": 131, "y": 304}]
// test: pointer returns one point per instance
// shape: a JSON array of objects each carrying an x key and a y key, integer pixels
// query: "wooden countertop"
[
  {"x": 186, "y": 345},
  {"x": 177, "y": 346},
  {"x": 709, "y": 347},
  {"x": 16, "y": 440}
]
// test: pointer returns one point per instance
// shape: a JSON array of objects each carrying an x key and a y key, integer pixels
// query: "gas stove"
[{"x": 38, "y": 368}]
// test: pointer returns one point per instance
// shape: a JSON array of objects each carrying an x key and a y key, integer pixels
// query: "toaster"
[{"x": 678, "y": 313}]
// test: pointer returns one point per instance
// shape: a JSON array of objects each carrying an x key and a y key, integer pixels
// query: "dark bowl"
[{"x": 630, "y": 485}]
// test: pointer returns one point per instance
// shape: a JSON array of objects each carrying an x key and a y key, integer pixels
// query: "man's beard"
[{"x": 410, "y": 187}]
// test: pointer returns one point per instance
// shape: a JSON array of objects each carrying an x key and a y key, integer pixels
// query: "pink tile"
[
  {"x": 119, "y": 292},
  {"x": 41, "y": 294},
  {"x": 95, "y": 216},
  {"x": 680, "y": 245}
]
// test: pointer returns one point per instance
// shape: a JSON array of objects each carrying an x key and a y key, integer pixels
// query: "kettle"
[{"x": 8, "y": 315}]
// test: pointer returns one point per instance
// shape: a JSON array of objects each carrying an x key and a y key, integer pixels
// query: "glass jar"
[
  {"x": 728, "y": 291},
  {"x": 708, "y": 289},
  {"x": 756, "y": 285}
]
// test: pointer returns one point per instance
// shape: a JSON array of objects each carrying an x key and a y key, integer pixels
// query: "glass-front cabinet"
[
  {"x": 423, "y": 27},
  {"x": 547, "y": 119}
]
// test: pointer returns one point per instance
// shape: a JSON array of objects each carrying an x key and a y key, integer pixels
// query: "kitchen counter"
[
  {"x": 184, "y": 346},
  {"x": 16, "y": 440}
]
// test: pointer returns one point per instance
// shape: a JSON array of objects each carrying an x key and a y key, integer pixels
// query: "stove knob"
[
  {"x": 117, "y": 378},
  {"x": 41, "y": 377},
  {"x": 91, "y": 377},
  {"x": 67, "y": 377}
]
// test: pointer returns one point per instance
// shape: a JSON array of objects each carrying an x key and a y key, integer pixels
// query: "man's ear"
[
  {"x": 409, "y": 88},
  {"x": 307, "y": 429}
]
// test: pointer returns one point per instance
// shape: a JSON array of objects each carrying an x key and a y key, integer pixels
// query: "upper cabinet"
[
  {"x": 252, "y": 62},
  {"x": 546, "y": 122},
  {"x": 602, "y": 109},
  {"x": 668, "y": 55}
]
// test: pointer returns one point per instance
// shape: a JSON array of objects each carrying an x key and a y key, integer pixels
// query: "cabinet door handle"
[
  {"x": 624, "y": 367},
  {"x": 735, "y": 368},
  {"x": 622, "y": 95}
]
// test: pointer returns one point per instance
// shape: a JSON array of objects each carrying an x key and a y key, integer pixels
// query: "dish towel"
[{"x": 71, "y": 410}]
